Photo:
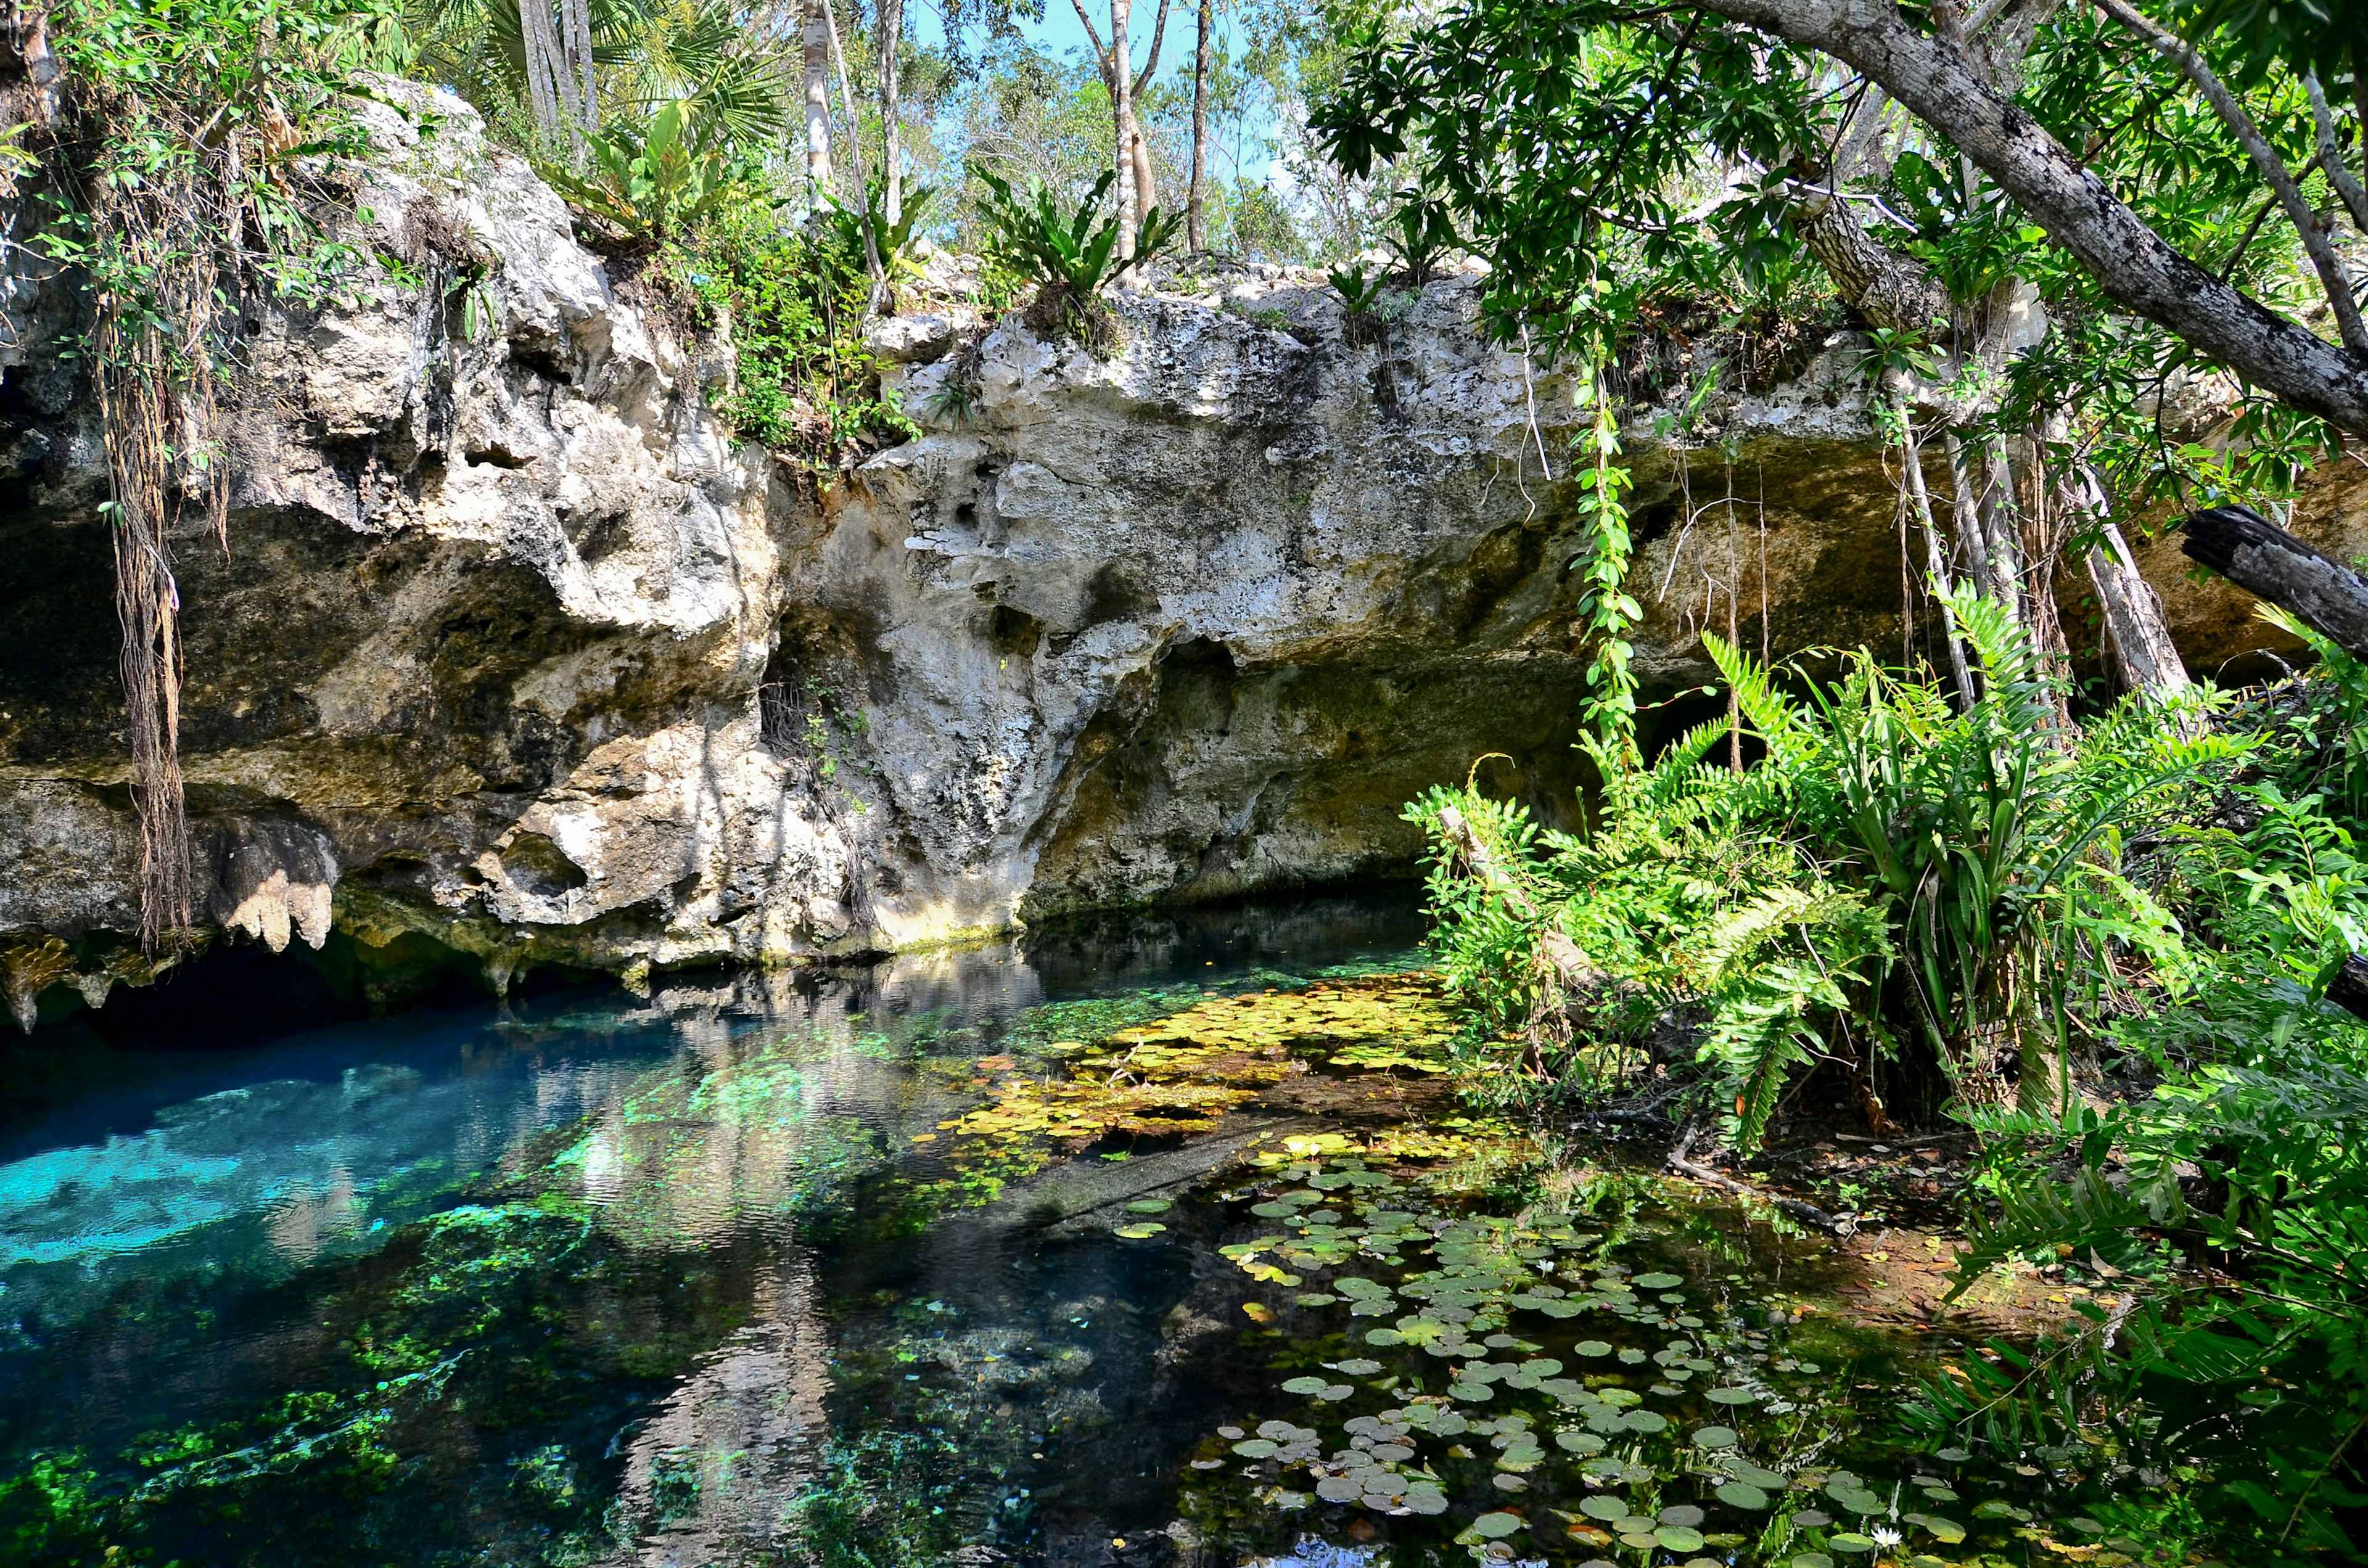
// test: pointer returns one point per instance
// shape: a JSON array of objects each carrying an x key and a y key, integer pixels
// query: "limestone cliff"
[{"x": 517, "y": 658}]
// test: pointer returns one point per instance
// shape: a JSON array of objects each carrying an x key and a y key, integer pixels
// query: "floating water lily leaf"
[
  {"x": 1714, "y": 1436},
  {"x": 1812, "y": 1559},
  {"x": 1272, "y": 1211},
  {"x": 1335, "y": 1392},
  {"x": 1679, "y": 1538},
  {"x": 1592, "y": 1347},
  {"x": 1139, "y": 1232},
  {"x": 1730, "y": 1396},
  {"x": 1952, "y": 1456},
  {"x": 1304, "y": 1386},
  {"x": 1496, "y": 1527},
  {"x": 1656, "y": 1281},
  {"x": 1338, "y": 1489},
  {"x": 1948, "y": 1532},
  {"x": 1644, "y": 1421},
  {"x": 1605, "y": 1508},
  {"x": 1149, "y": 1206},
  {"x": 1741, "y": 1495},
  {"x": 1315, "y": 1299},
  {"x": 1383, "y": 1336},
  {"x": 2086, "y": 1527},
  {"x": 1358, "y": 1367},
  {"x": 1849, "y": 1541},
  {"x": 1254, "y": 1449},
  {"x": 1684, "y": 1514},
  {"x": 1422, "y": 1499},
  {"x": 1999, "y": 1508},
  {"x": 1811, "y": 1519},
  {"x": 1578, "y": 1442}
]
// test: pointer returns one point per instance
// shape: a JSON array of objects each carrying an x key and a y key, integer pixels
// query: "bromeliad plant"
[
  {"x": 667, "y": 173},
  {"x": 1073, "y": 256},
  {"x": 1915, "y": 893}
]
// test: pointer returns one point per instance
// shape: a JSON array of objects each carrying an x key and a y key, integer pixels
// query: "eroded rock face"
[{"x": 517, "y": 658}]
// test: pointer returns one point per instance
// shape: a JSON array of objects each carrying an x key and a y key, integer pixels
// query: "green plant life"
[
  {"x": 1896, "y": 886},
  {"x": 793, "y": 300},
  {"x": 646, "y": 181},
  {"x": 1072, "y": 256}
]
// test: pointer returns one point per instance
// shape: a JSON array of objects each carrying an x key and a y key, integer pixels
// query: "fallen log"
[
  {"x": 2258, "y": 555},
  {"x": 1807, "y": 1213},
  {"x": 1561, "y": 954}
]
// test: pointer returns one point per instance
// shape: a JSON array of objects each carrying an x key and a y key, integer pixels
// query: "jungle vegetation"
[{"x": 2105, "y": 262}]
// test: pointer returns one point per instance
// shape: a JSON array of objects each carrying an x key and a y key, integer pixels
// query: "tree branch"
[
  {"x": 2132, "y": 263},
  {"x": 2330, "y": 156},
  {"x": 2273, "y": 168},
  {"x": 1158, "y": 37}
]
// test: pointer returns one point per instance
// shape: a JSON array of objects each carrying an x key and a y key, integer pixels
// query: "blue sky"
[{"x": 1059, "y": 33}]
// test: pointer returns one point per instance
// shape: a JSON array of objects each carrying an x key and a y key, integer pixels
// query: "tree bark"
[
  {"x": 1936, "y": 561},
  {"x": 2258, "y": 555},
  {"x": 2145, "y": 660},
  {"x": 1196, "y": 221},
  {"x": 855, "y": 151},
  {"x": 1122, "y": 89},
  {"x": 815, "y": 36},
  {"x": 2129, "y": 261},
  {"x": 891, "y": 140},
  {"x": 1562, "y": 955}
]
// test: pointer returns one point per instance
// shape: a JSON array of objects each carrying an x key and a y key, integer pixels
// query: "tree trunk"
[
  {"x": 2132, "y": 263},
  {"x": 1122, "y": 89},
  {"x": 1196, "y": 220},
  {"x": 892, "y": 141},
  {"x": 1936, "y": 561},
  {"x": 816, "y": 39},
  {"x": 2256, "y": 554},
  {"x": 1124, "y": 124},
  {"x": 2145, "y": 660}
]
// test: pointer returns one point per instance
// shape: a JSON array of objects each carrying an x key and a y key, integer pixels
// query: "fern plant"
[{"x": 1894, "y": 887}]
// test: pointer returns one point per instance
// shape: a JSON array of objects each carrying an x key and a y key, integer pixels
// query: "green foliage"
[
  {"x": 659, "y": 177},
  {"x": 794, "y": 300},
  {"x": 1606, "y": 606},
  {"x": 1074, "y": 255},
  {"x": 1894, "y": 881}
]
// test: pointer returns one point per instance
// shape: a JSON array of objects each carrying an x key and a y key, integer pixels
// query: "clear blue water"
[{"x": 603, "y": 1279}]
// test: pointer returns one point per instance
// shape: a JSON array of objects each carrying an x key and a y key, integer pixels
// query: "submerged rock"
[{"x": 516, "y": 659}]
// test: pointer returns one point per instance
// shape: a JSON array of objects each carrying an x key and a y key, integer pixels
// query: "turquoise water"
[
  {"x": 596, "y": 1278},
  {"x": 700, "y": 1278}
]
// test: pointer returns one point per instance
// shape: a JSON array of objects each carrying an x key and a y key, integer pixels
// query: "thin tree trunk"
[
  {"x": 1196, "y": 221},
  {"x": 576, "y": 43},
  {"x": 539, "y": 41},
  {"x": 855, "y": 150},
  {"x": 815, "y": 35},
  {"x": 1966, "y": 517},
  {"x": 1936, "y": 560},
  {"x": 1121, "y": 87},
  {"x": 892, "y": 141},
  {"x": 2145, "y": 660}
]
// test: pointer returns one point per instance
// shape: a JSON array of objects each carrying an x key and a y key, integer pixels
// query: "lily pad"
[
  {"x": 1849, "y": 1541},
  {"x": 1656, "y": 1281},
  {"x": 1254, "y": 1449},
  {"x": 1812, "y": 1559},
  {"x": 1141, "y": 1233},
  {"x": 1338, "y": 1489},
  {"x": 1496, "y": 1526},
  {"x": 1358, "y": 1366},
  {"x": 1677, "y": 1538},
  {"x": 1304, "y": 1386},
  {"x": 1149, "y": 1206},
  {"x": 1604, "y": 1508},
  {"x": 1685, "y": 1516},
  {"x": 1948, "y": 1532},
  {"x": 1741, "y": 1495},
  {"x": 1730, "y": 1396},
  {"x": 1715, "y": 1438},
  {"x": 1592, "y": 1347}
]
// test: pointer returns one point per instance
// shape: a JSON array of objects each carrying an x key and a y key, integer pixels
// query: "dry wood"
[{"x": 2258, "y": 555}]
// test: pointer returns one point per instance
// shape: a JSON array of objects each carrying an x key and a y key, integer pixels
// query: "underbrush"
[{"x": 1988, "y": 917}]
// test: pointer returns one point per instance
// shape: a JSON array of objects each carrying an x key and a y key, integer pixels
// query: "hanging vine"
[
  {"x": 1606, "y": 609},
  {"x": 182, "y": 149}
]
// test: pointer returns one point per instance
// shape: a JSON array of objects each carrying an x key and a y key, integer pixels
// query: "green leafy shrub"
[
  {"x": 648, "y": 180},
  {"x": 1073, "y": 256},
  {"x": 793, "y": 300},
  {"x": 1895, "y": 886}
]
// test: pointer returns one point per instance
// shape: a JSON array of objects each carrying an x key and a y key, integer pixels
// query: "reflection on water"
[{"x": 613, "y": 1280}]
